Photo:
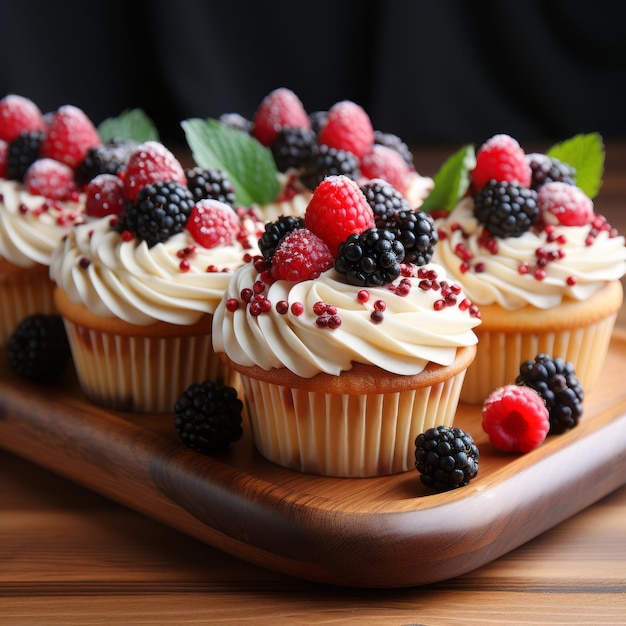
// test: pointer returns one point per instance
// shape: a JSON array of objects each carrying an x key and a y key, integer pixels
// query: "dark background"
[{"x": 440, "y": 71}]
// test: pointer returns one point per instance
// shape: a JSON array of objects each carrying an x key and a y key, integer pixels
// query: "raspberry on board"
[
  {"x": 300, "y": 255},
  {"x": 18, "y": 114},
  {"x": 515, "y": 418},
  {"x": 281, "y": 107},
  {"x": 213, "y": 223},
  {"x": 337, "y": 209},
  {"x": 348, "y": 127},
  {"x": 561, "y": 203},
  {"x": 501, "y": 158},
  {"x": 104, "y": 196},
  {"x": 52, "y": 179}
]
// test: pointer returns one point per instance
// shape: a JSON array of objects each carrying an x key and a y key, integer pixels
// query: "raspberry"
[
  {"x": 348, "y": 127},
  {"x": 208, "y": 417},
  {"x": 69, "y": 136},
  {"x": 560, "y": 203},
  {"x": 52, "y": 179},
  {"x": 515, "y": 418},
  {"x": 152, "y": 162},
  {"x": 387, "y": 164},
  {"x": 18, "y": 113},
  {"x": 213, "y": 223},
  {"x": 446, "y": 458},
  {"x": 301, "y": 255},
  {"x": 500, "y": 158},
  {"x": 104, "y": 196},
  {"x": 336, "y": 210},
  {"x": 279, "y": 108}
]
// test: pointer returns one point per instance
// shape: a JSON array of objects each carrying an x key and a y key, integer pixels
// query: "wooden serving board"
[{"x": 368, "y": 532}]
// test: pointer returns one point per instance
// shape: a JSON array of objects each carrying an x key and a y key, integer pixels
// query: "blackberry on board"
[
  {"x": 555, "y": 380},
  {"x": 159, "y": 211},
  {"x": 210, "y": 183},
  {"x": 390, "y": 140},
  {"x": 371, "y": 259},
  {"x": 506, "y": 209},
  {"x": 326, "y": 161},
  {"x": 446, "y": 458},
  {"x": 22, "y": 152},
  {"x": 292, "y": 147},
  {"x": 38, "y": 348},
  {"x": 545, "y": 169},
  {"x": 275, "y": 231},
  {"x": 208, "y": 416}
]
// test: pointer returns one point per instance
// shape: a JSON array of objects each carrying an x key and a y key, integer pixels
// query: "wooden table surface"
[{"x": 69, "y": 556}]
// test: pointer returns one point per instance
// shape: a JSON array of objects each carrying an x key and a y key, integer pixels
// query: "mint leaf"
[
  {"x": 585, "y": 152},
  {"x": 249, "y": 165},
  {"x": 451, "y": 181},
  {"x": 131, "y": 125}
]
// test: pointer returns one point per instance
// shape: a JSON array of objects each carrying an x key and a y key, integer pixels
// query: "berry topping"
[
  {"x": 279, "y": 108},
  {"x": 300, "y": 255},
  {"x": 556, "y": 382},
  {"x": 22, "y": 152},
  {"x": 395, "y": 143},
  {"x": 213, "y": 223},
  {"x": 211, "y": 184},
  {"x": 446, "y": 458},
  {"x": 546, "y": 169},
  {"x": 561, "y": 203},
  {"x": 506, "y": 209},
  {"x": 38, "y": 348},
  {"x": 293, "y": 147},
  {"x": 17, "y": 114},
  {"x": 386, "y": 163},
  {"x": 236, "y": 121},
  {"x": 110, "y": 158},
  {"x": 384, "y": 199},
  {"x": 325, "y": 161},
  {"x": 338, "y": 209},
  {"x": 348, "y": 127},
  {"x": 275, "y": 231},
  {"x": 160, "y": 210},
  {"x": 69, "y": 136},
  {"x": 371, "y": 259},
  {"x": 104, "y": 196},
  {"x": 152, "y": 162},
  {"x": 208, "y": 417},
  {"x": 52, "y": 179},
  {"x": 500, "y": 158},
  {"x": 515, "y": 418}
]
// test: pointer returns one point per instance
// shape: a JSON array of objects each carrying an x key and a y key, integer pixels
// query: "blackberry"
[
  {"x": 385, "y": 200},
  {"x": 446, "y": 458},
  {"x": 390, "y": 140},
  {"x": 210, "y": 183},
  {"x": 275, "y": 231},
  {"x": 326, "y": 161},
  {"x": 555, "y": 380},
  {"x": 236, "y": 121},
  {"x": 547, "y": 169},
  {"x": 417, "y": 233},
  {"x": 38, "y": 348},
  {"x": 208, "y": 416},
  {"x": 318, "y": 120},
  {"x": 110, "y": 158},
  {"x": 506, "y": 209},
  {"x": 159, "y": 211},
  {"x": 292, "y": 147},
  {"x": 22, "y": 152},
  {"x": 371, "y": 259}
]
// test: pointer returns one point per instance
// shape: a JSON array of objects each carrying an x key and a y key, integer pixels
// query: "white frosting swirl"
[
  {"x": 113, "y": 277},
  {"x": 495, "y": 278},
  {"x": 31, "y": 226},
  {"x": 411, "y": 334}
]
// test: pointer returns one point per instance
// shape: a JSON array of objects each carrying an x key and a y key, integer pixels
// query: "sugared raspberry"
[
  {"x": 213, "y": 223},
  {"x": 348, "y": 127},
  {"x": 69, "y": 135},
  {"x": 104, "y": 196},
  {"x": 500, "y": 158},
  {"x": 152, "y": 162},
  {"x": 560, "y": 203},
  {"x": 387, "y": 164},
  {"x": 301, "y": 255},
  {"x": 52, "y": 179},
  {"x": 515, "y": 418},
  {"x": 281, "y": 107},
  {"x": 18, "y": 113},
  {"x": 337, "y": 209},
  {"x": 4, "y": 154}
]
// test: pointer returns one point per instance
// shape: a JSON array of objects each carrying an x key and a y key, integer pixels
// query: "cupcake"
[
  {"x": 40, "y": 200},
  {"x": 137, "y": 290},
  {"x": 348, "y": 342},
  {"x": 293, "y": 150},
  {"x": 530, "y": 250}
]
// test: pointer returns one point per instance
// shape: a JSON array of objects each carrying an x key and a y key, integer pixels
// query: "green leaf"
[
  {"x": 451, "y": 181},
  {"x": 585, "y": 152},
  {"x": 249, "y": 165},
  {"x": 131, "y": 125}
]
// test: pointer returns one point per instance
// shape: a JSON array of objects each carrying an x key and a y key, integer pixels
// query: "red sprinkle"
[
  {"x": 232, "y": 304},
  {"x": 185, "y": 266},
  {"x": 282, "y": 306},
  {"x": 572, "y": 280},
  {"x": 362, "y": 296},
  {"x": 376, "y": 316},
  {"x": 297, "y": 308}
]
